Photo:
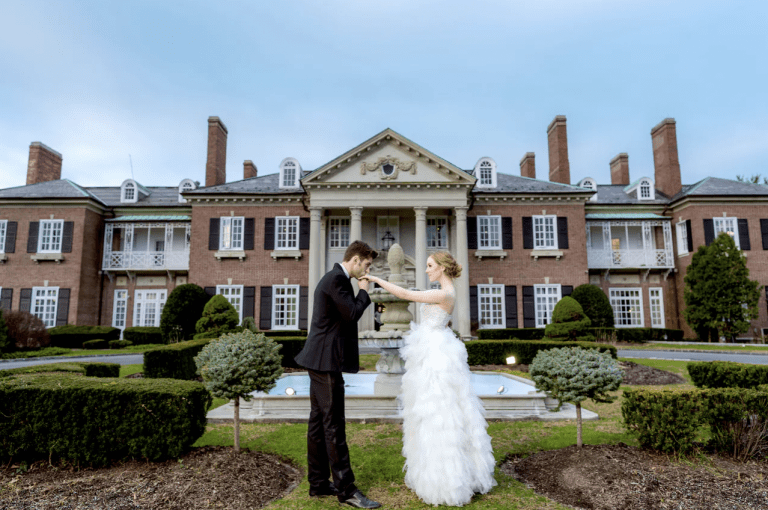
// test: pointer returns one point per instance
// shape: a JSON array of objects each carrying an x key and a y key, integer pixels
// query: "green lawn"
[
  {"x": 712, "y": 347},
  {"x": 131, "y": 349}
]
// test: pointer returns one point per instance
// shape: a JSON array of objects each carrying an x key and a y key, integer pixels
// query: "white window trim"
[
  {"x": 159, "y": 303},
  {"x": 681, "y": 229},
  {"x": 220, "y": 288},
  {"x": 646, "y": 182},
  {"x": 479, "y": 182},
  {"x": 536, "y": 308},
  {"x": 446, "y": 231},
  {"x": 277, "y": 226},
  {"x": 536, "y": 245},
  {"x": 724, "y": 219},
  {"x": 33, "y": 304},
  {"x": 480, "y": 289},
  {"x": 497, "y": 245},
  {"x": 3, "y": 234},
  {"x": 296, "y": 289},
  {"x": 331, "y": 219},
  {"x": 642, "y": 310},
  {"x": 297, "y": 177},
  {"x": 186, "y": 185},
  {"x": 660, "y": 298},
  {"x": 40, "y": 231},
  {"x": 114, "y": 310},
  {"x": 231, "y": 220},
  {"x": 134, "y": 186}
]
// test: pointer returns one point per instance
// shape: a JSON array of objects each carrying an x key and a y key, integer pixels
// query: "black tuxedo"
[{"x": 331, "y": 349}]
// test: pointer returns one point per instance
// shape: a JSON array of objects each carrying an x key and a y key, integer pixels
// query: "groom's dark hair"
[{"x": 361, "y": 249}]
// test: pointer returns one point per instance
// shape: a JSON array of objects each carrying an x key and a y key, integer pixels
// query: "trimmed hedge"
[
  {"x": 119, "y": 344},
  {"x": 102, "y": 369},
  {"x": 495, "y": 352},
  {"x": 174, "y": 361},
  {"x": 96, "y": 344},
  {"x": 291, "y": 346},
  {"x": 143, "y": 335},
  {"x": 510, "y": 333},
  {"x": 727, "y": 374},
  {"x": 94, "y": 421},
  {"x": 37, "y": 353},
  {"x": 280, "y": 333},
  {"x": 75, "y": 367},
  {"x": 74, "y": 336}
]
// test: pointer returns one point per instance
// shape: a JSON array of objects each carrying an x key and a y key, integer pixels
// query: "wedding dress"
[{"x": 447, "y": 450}]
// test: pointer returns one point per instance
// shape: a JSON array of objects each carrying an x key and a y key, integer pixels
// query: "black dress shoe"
[
  {"x": 321, "y": 492},
  {"x": 358, "y": 500}
]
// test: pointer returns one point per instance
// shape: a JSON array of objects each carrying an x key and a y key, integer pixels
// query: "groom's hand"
[{"x": 363, "y": 283}]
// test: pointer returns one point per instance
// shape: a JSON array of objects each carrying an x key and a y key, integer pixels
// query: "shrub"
[
  {"x": 727, "y": 374},
  {"x": 237, "y": 364},
  {"x": 290, "y": 347},
  {"x": 250, "y": 324},
  {"x": 738, "y": 421},
  {"x": 665, "y": 420},
  {"x": 595, "y": 304},
  {"x": 495, "y": 352},
  {"x": 510, "y": 333},
  {"x": 279, "y": 333},
  {"x": 216, "y": 334},
  {"x": 95, "y": 344},
  {"x": 75, "y": 367},
  {"x": 26, "y": 330},
  {"x": 45, "y": 351},
  {"x": 641, "y": 335},
  {"x": 119, "y": 344},
  {"x": 219, "y": 316},
  {"x": 181, "y": 312},
  {"x": 102, "y": 369},
  {"x": 175, "y": 361},
  {"x": 5, "y": 341},
  {"x": 573, "y": 374},
  {"x": 143, "y": 335},
  {"x": 568, "y": 322},
  {"x": 89, "y": 421},
  {"x": 73, "y": 336},
  {"x": 603, "y": 334}
]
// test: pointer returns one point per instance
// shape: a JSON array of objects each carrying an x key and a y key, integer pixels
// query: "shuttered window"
[
  {"x": 544, "y": 233},
  {"x": 233, "y": 294},
  {"x": 682, "y": 238},
  {"x": 491, "y": 309},
  {"x": 285, "y": 307},
  {"x": 50, "y": 237},
  {"x": 727, "y": 225},
  {"x": 44, "y": 304},
  {"x": 287, "y": 233},
  {"x": 547, "y": 297},
  {"x": 231, "y": 233},
  {"x": 3, "y": 231},
  {"x": 489, "y": 232}
]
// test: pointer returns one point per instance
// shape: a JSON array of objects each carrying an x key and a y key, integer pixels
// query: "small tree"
[
  {"x": 568, "y": 322},
  {"x": 237, "y": 364},
  {"x": 219, "y": 317},
  {"x": 26, "y": 331},
  {"x": 718, "y": 292},
  {"x": 595, "y": 304},
  {"x": 5, "y": 341},
  {"x": 181, "y": 312},
  {"x": 573, "y": 374}
]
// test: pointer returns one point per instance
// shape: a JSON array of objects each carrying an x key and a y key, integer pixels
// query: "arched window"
[
  {"x": 186, "y": 185},
  {"x": 485, "y": 171},
  {"x": 589, "y": 184},
  {"x": 129, "y": 192},
  {"x": 645, "y": 192},
  {"x": 290, "y": 172}
]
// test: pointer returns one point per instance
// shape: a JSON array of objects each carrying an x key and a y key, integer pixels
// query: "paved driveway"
[{"x": 755, "y": 359}]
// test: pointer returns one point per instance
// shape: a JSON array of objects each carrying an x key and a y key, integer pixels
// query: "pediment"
[{"x": 388, "y": 158}]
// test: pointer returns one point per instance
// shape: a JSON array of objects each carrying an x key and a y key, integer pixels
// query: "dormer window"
[
  {"x": 290, "y": 172},
  {"x": 588, "y": 184},
  {"x": 485, "y": 171},
  {"x": 645, "y": 190},
  {"x": 129, "y": 193},
  {"x": 641, "y": 189},
  {"x": 186, "y": 185}
]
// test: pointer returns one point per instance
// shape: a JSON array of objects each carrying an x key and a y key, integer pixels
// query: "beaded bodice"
[{"x": 434, "y": 316}]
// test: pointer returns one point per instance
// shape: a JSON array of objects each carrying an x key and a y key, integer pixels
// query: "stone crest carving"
[{"x": 388, "y": 167}]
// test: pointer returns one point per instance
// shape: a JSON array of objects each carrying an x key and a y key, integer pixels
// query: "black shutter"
[
  {"x": 506, "y": 233},
  {"x": 709, "y": 231},
  {"x": 303, "y": 307},
  {"x": 744, "y": 243},
  {"x": 62, "y": 308},
  {"x": 766, "y": 295},
  {"x": 763, "y": 232},
  {"x": 211, "y": 291},
  {"x": 562, "y": 233},
  {"x": 473, "y": 309},
  {"x": 34, "y": 228},
  {"x": 510, "y": 303},
  {"x": 10, "y": 236},
  {"x": 527, "y": 233},
  {"x": 6, "y": 298},
  {"x": 566, "y": 290},
  {"x": 303, "y": 233},
  {"x": 529, "y": 307},
  {"x": 472, "y": 233},
  {"x": 249, "y": 302},
  {"x": 269, "y": 234},
  {"x": 66, "y": 238},
  {"x": 689, "y": 233},
  {"x": 213, "y": 234},
  {"x": 265, "y": 309},
  {"x": 249, "y": 227},
  {"x": 25, "y": 300}
]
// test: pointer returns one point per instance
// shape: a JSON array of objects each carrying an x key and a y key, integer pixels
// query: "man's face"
[{"x": 360, "y": 267}]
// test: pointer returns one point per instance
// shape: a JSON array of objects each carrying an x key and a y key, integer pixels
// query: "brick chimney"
[
  {"x": 528, "y": 165},
  {"x": 216, "y": 165},
  {"x": 665, "y": 162},
  {"x": 620, "y": 169},
  {"x": 249, "y": 169},
  {"x": 44, "y": 164},
  {"x": 559, "y": 169}
]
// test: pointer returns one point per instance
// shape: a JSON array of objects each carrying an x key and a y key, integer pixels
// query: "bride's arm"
[{"x": 419, "y": 296}]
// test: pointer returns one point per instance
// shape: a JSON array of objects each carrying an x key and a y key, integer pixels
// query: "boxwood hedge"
[
  {"x": 727, "y": 374},
  {"x": 511, "y": 333},
  {"x": 75, "y": 367},
  {"x": 495, "y": 352},
  {"x": 73, "y": 336},
  {"x": 143, "y": 335},
  {"x": 174, "y": 361}
]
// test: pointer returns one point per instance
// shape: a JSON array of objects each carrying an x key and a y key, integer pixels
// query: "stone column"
[
  {"x": 421, "y": 247},
  {"x": 356, "y": 224},
  {"x": 323, "y": 245},
  {"x": 315, "y": 218},
  {"x": 461, "y": 309}
]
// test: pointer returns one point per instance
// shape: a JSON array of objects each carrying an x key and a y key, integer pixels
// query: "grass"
[
  {"x": 126, "y": 370},
  {"x": 131, "y": 349},
  {"x": 713, "y": 347}
]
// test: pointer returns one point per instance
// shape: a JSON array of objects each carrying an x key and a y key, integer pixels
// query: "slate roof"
[
  {"x": 62, "y": 188},
  {"x": 263, "y": 184},
  {"x": 615, "y": 194},
  {"x": 506, "y": 183},
  {"x": 625, "y": 216},
  {"x": 158, "y": 197},
  {"x": 715, "y": 186}
]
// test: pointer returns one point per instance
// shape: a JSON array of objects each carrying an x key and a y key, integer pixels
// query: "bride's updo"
[{"x": 446, "y": 260}]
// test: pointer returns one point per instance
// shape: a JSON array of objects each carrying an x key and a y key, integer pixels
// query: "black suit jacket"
[{"x": 332, "y": 342}]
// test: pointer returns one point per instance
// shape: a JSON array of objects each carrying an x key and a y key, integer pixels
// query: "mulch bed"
[
  {"x": 207, "y": 477},
  {"x": 634, "y": 374},
  {"x": 618, "y": 477}
]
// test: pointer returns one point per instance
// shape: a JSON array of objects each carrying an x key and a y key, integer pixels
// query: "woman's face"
[{"x": 434, "y": 270}]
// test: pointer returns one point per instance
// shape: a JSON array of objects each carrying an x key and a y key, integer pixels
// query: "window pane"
[
  {"x": 339, "y": 233},
  {"x": 437, "y": 233},
  {"x": 544, "y": 232},
  {"x": 489, "y": 231},
  {"x": 627, "y": 307},
  {"x": 491, "y": 306},
  {"x": 287, "y": 233},
  {"x": 546, "y": 297},
  {"x": 285, "y": 307}
]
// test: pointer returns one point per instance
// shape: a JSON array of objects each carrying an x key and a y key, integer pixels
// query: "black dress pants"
[{"x": 326, "y": 434}]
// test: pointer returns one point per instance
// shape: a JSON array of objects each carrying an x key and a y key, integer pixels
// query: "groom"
[{"x": 331, "y": 349}]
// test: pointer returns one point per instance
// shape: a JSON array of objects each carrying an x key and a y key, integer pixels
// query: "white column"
[
  {"x": 314, "y": 256},
  {"x": 356, "y": 224},
  {"x": 461, "y": 309},
  {"x": 421, "y": 247},
  {"x": 323, "y": 245}
]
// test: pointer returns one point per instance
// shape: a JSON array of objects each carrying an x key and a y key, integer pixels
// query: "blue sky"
[{"x": 100, "y": 80}]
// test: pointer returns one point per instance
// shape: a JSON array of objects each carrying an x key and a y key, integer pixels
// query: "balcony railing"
[
  {"x": 135, "y": 260},
  {"x": 613, "y": 244},
  {"x": 137, "y": 245},
  {"x": 611, "y": 259}
]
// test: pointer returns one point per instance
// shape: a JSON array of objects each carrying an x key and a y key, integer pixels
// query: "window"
[
  {"x": 339, "y": 233},
  {"x": 233, "y": 294},
  {"x": 129, "y": 193},
  {"x": 657, "y": 307},
  {"x": 682, "y": 238},
  {"x": 290, "y": 172},
  {"x": 645, "y": 190},
  {"x": 485, "y": 171},
  {"x": 120, "y": 309},
  {"x": 544, "y": 237},
  {"x": 44, "y": 301},
  {"x": 287, "y": 232},
  {"x": 437, "y": 232},
  {"x": 285, "y": 307},
  {"x": 490, "y": 302},
  {"x": 186, "y": 185},
  {"x": 729, "y": 226},
  {"x": 627, "y": 307},
  {"x": 147, "y": 307},
  {"x": 3, "y": 230},
  {"x": 231, "y": 233},
  {"x": 489, "y": 232},
  {"x": 589, "y": 184},
  {"x": 50, "y": 236},
  {"x": 547, "y": 297}
]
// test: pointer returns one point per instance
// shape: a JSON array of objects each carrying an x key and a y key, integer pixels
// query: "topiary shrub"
[
  {"x": 75, "y": 367},
  {"x": 666, "y": 420},
  {"x": 573, "y": 374},
  {"x": 143, "y": 335},
  {"x": 568, "y": 322},
  {"x": 495, "y": 352},
  {"x": 237, "y": 364},
  {"x": 219, "y": 317},
  {"x": 174, "y": 361},
  {"x": 727, "y": 374},
  {"x": 26, "y": 330},
  {"x": 119, "y": 344},
  {"x": 181, "y": 312},
  {"x": 5, "y": 341},
  {"x": 73, "y": 336},
  {"x": 99, "y": 343},
  {"x": 595, "y": 304}
]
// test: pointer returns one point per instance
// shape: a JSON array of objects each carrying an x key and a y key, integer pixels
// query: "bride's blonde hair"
[{"x": 446, "y": 260}]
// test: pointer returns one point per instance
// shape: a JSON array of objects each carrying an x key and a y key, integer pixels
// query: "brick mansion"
[{"x": 71, "y": 253}]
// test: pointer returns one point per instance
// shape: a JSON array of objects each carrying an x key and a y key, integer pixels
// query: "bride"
[{"x": 448, "y": 454}]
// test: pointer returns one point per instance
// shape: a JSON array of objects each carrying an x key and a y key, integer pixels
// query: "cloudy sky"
[{"x": 101, "y": 80}]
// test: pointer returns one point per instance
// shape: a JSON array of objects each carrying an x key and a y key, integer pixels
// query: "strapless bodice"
[{"x": 433, "y": 316}]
